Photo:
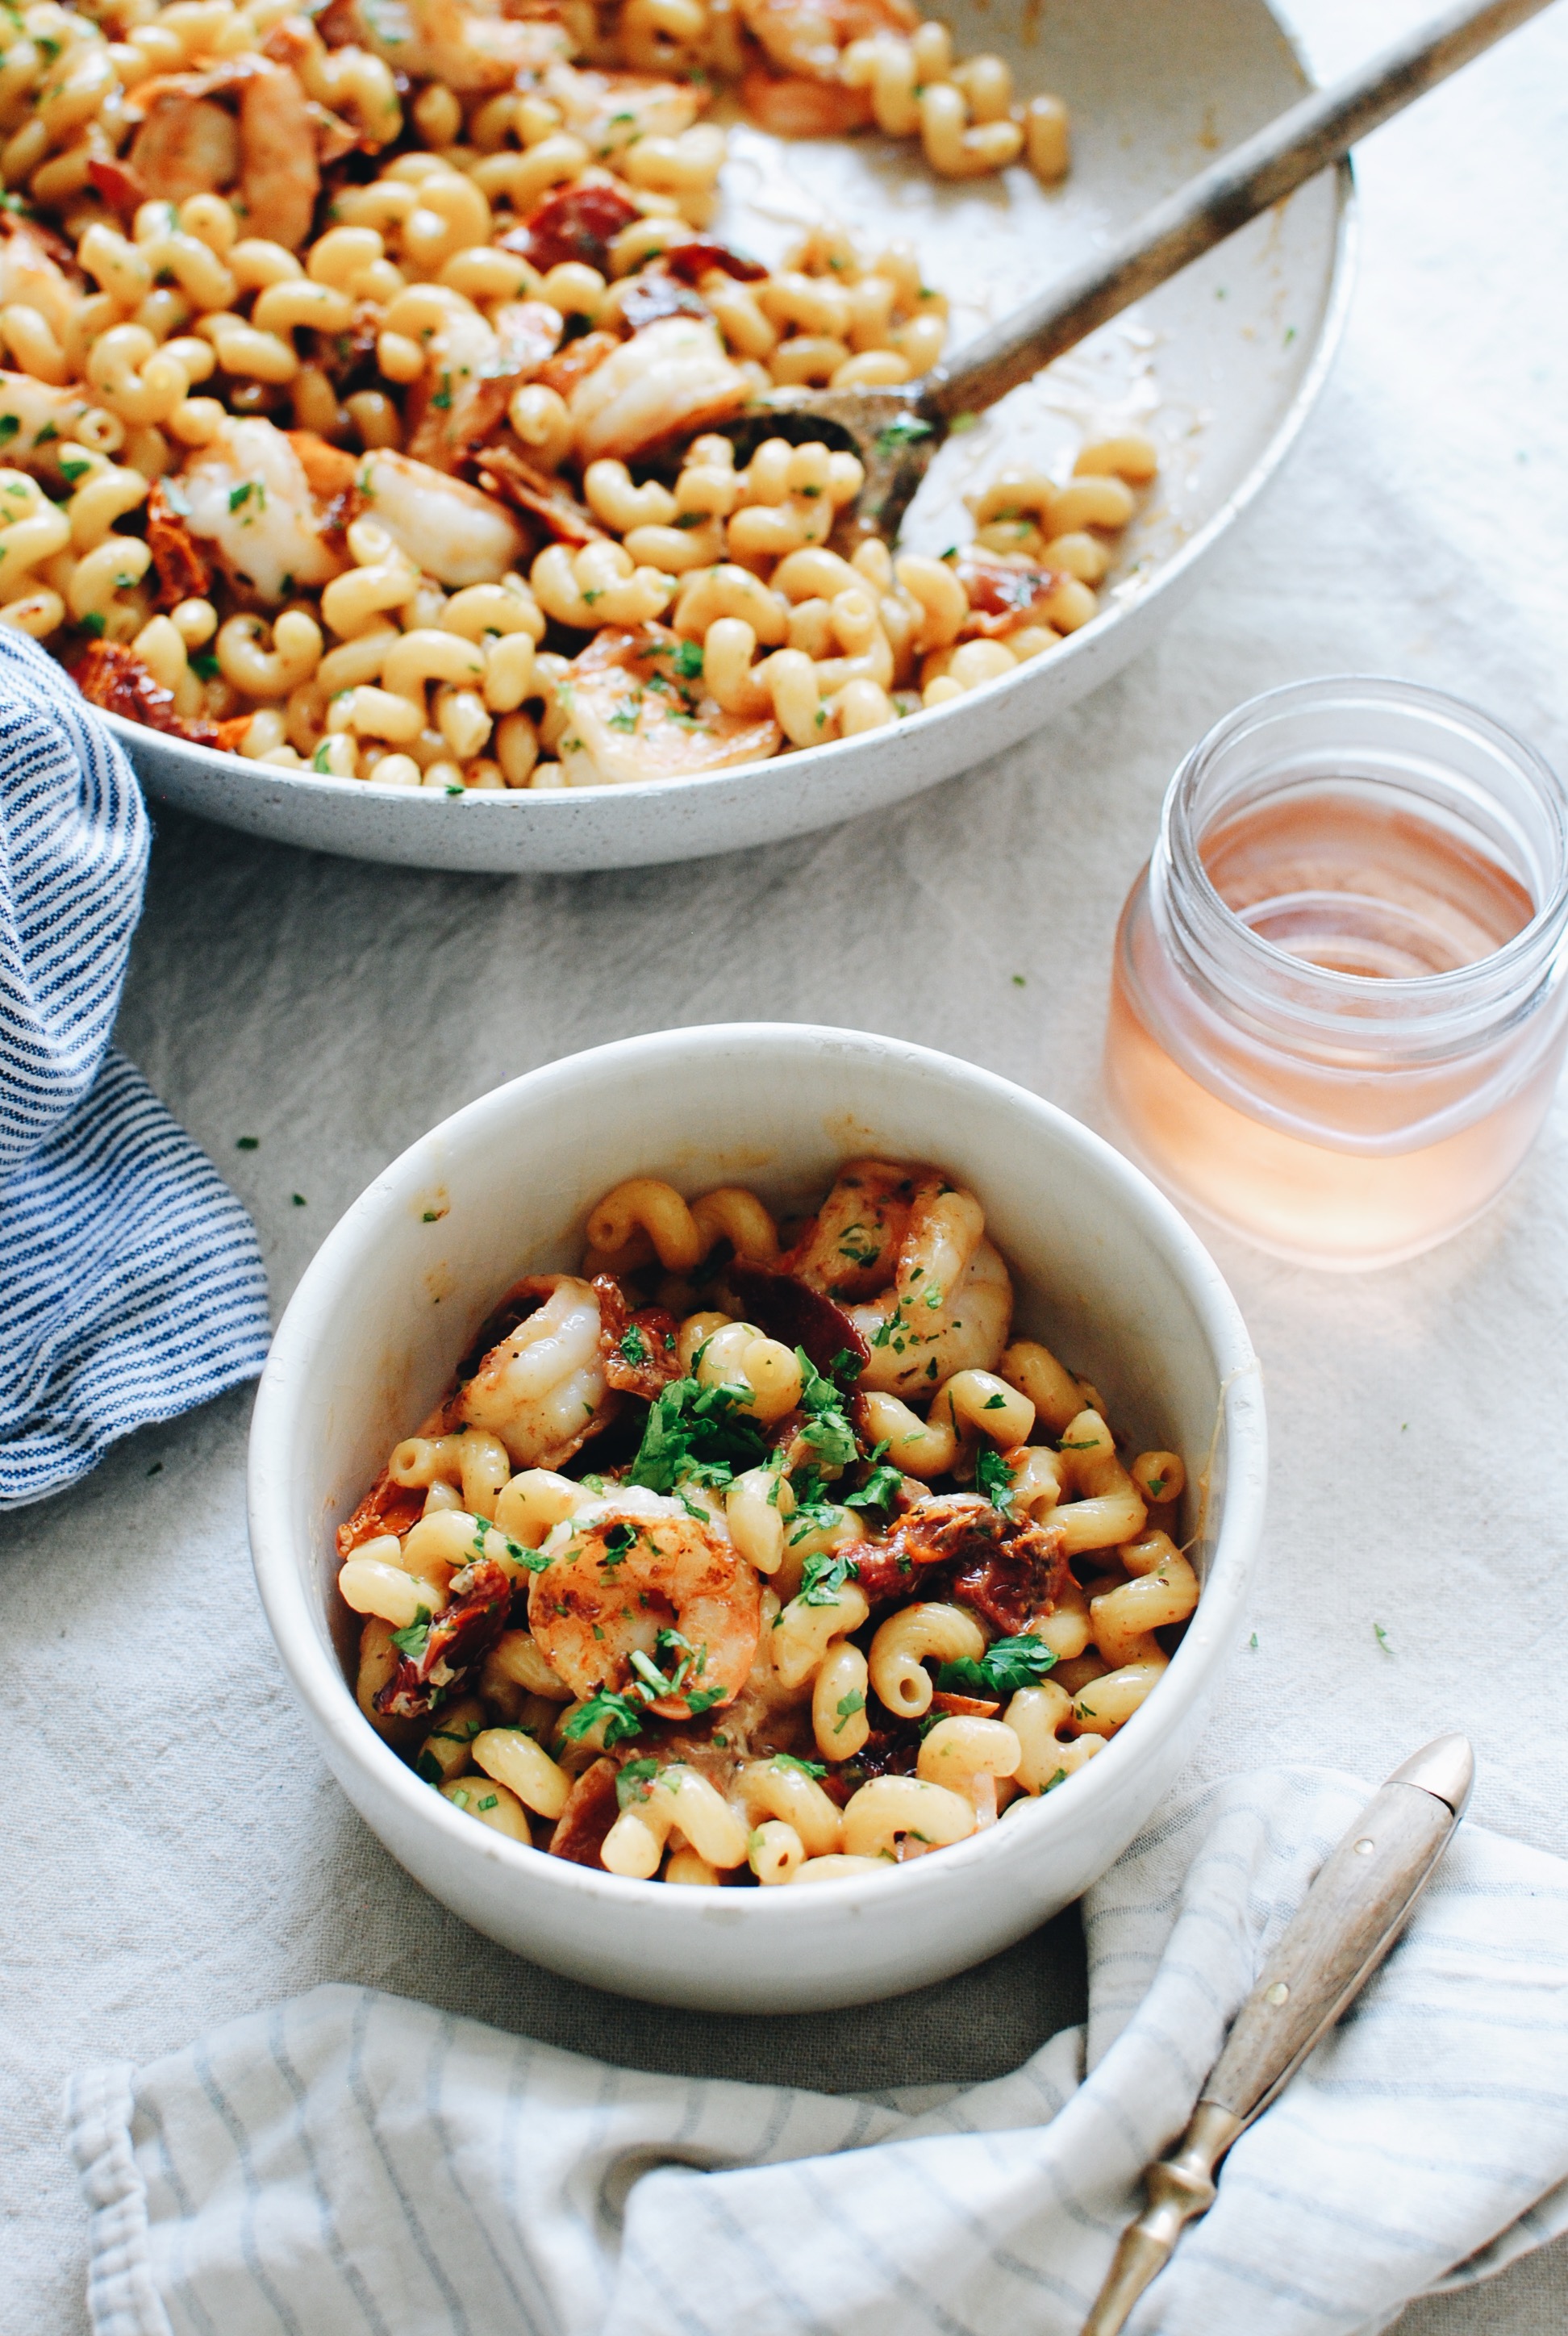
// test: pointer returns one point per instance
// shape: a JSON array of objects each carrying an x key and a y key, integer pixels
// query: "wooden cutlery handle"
[{"x": 1347, "y": 1923}]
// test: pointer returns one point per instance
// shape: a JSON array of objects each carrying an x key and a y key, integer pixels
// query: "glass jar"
[{"x": 1339, "y": 1003}]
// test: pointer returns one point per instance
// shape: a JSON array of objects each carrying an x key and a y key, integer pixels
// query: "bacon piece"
[
  {"x": 796, "y": 1315},
  {"x": 454, "y": 1642},
  {"x": 656, "y": 1329},
  {"x": 792, "y": 106},
  {"x": 574, "y": 363},
  {"x": 691, "y": 261},
  {"x": 183, "y": 573},
  {"x": 591, "y": 1808},
  {"x": 577, "y": 223},
  {"x": 386, "y": 1508},
  {"x": 123, "y": 189},
  {"x": 112, "y": 677},
  {"x": 516, "y": 481},
  {"x": 1006, "y": 588},
  {"x": 653, "y": 295}
]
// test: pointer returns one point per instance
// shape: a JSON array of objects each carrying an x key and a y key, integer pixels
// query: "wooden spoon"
[{"x": 896, "y": 432}]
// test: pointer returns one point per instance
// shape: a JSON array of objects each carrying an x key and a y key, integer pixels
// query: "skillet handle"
[{"x": 1302, "y": 142}]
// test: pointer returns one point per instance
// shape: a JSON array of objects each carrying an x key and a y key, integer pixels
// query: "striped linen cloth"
[
  {"x": 352, "y": 2165},
  {"x": 131, "y": 1283}
]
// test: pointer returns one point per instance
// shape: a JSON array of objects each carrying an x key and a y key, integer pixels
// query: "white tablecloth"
[{"x": 174, "y": 1852}]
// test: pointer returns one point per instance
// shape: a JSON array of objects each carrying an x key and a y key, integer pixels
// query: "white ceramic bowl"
[
  {"x": 1106, "y": 1271},
  {"x": 1223, "y": 365}
]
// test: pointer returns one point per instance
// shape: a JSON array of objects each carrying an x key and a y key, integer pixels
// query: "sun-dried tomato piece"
[
  {"x": 453, "y": 1644},
  {"x": 112, "y": 677},
  {"x": 1005, "y": 590},
  {"x": 691, "y": 261},
  {"x": 578, "y": 223},
  {"x": 965, "y": 1707},
  {"x": 1019, "y": 1577},
  {"x": 183, "y": 571},
  {"x": 796, "y": 1315},
  {"x": 638, "y": 1348},
  {"x": 386, "y": 1508},
  {"x": 122, "y": 188},
  {"x": 591, "y": 1808},
  {"x": 653, "y": 295}
]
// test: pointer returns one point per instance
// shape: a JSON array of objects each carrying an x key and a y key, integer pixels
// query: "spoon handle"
[
  {"x": 1293, "y": 149},
  {"x": 1347, "y": 1923}
]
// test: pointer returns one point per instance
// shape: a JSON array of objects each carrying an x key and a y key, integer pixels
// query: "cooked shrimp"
[
  {"x": 633, "y": 716},
  {"x": 279, "y": 175},
  {"x": 808, "y": 36},
  {"x": 794, "y": 107},
  {"x": 849, "y": 1249},
  {"x": 672, "y": 377},
  {"x": 247, "y": 495},
  {"x": 609, "y": 110},
  {"x": 471, "y": 369},
  {"x": 542, "y": 1389},
  {"x": 933, "y": 1297},
  {"x": 188, "y": 143},
  {"x": 639, "y": 1596},
  {"x": 449, "y": 528},
  {"x": 469, "y": 45}
]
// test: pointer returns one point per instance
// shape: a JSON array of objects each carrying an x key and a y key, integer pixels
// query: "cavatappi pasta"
[
  {"x": 729, "y": 1562},
  {"x": 344, "y": 351}
]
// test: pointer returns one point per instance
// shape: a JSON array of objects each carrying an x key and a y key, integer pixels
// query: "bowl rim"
[
  {"x": 319, "y": 1682},
  {"x": 1169, "y": 576}
]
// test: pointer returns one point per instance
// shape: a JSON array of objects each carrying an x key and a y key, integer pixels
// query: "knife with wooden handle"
[{"x": 1346, "y": 1924}]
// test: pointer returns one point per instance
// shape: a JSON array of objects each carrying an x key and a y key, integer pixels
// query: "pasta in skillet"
[
  {"x": 727, "y": 1562},
  {"x": 346, "y": 350}
]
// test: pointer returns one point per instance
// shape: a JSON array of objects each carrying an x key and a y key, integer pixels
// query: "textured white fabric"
[
  {"x": 175, "y": 1854},
  {"x": 349, "y": 2161}
]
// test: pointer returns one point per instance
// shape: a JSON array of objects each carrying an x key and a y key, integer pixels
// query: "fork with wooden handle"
[
  {"x": 895, "y": 432},
  {"x": 1345, "y": 1925}
]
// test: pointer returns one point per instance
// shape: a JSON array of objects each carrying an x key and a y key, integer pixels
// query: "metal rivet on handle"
[
  {"x": 1279, "y": 1993},
  {"x": 1365, "y": 1846}
]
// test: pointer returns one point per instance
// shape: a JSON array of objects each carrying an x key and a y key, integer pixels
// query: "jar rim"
[{"x": 1327, "y": 993}]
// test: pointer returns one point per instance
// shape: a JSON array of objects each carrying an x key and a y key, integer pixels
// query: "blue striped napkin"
[
  {"x": 350, "y": 2165},
  {"x": 131, "y": 1283}
]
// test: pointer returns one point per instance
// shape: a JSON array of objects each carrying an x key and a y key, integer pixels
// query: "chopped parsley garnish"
[
  {"x": 443, "y": 398},
  {"x": 694, "y": 1434},
  {"x": 847, "y": 1707},
  {"x": 633, "y": 1347},
  {"x": 239, "y": 495},
  {"x": 412, "y": 1642},
  {"x": 622, "y": 719},
  {"x": 9, "y": 425},
  {"x": 827, "y": 1430},
  {"x": 703, "y": 1700},
  {"x": 204, "y": 665},
  {"x": 881, "y": 1487},
  {"x": 635, "y": 1782},
  {"x": 620, "y": 1716},
  {"x": 804, "y": 1768},
  {"x": 823, "y": 1576},
  {"x": 1007, "y": 1665},
  {"x": 994, "y": 1480},
  {"x": 906, "y": 432},
  {"x": 94, "y": 623},
  {"x": 490, "y": 1801},
  {"x": 619, "y": 1538}
]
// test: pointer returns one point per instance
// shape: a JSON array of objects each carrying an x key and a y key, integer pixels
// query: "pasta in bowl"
[
  {"x": 663, "y": 1591},
  {"x": 601, "y": 1602}
]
